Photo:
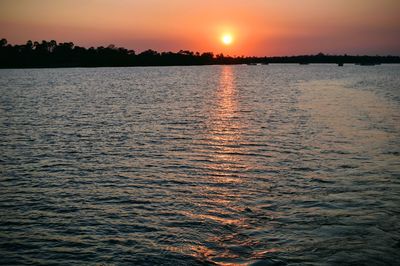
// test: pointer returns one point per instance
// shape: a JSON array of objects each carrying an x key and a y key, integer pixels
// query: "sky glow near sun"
[{"x": 257, "y": 27}]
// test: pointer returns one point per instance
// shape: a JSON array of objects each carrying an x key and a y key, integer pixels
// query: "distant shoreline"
[
  {"x": 50, "y": 54},
  {"x": 137, "y": 66}
]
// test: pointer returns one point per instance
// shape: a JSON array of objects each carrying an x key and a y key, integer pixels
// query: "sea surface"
[{"x": 203, "y": 165}]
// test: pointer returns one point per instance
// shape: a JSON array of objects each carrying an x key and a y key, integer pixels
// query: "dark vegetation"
[{"x": 53, "y": 54}]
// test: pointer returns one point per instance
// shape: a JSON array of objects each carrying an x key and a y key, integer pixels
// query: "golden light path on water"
[{"x": 224, "y": 200}]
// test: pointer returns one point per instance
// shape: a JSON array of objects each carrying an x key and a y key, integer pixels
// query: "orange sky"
[{"x": 259, "y": 27}]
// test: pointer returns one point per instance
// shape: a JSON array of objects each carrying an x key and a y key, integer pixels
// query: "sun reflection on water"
[
  {"x": 226, "y": 129},
  {"x": 223, "y": 207}
]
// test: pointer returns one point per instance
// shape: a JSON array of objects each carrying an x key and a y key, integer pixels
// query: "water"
[{"x": 263, "y": 165}]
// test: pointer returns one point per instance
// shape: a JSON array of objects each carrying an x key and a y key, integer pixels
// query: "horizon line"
[{"x": 137, "y": 52}]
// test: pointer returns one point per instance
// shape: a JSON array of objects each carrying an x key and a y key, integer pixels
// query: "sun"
[{"x": 227, "y": 39}]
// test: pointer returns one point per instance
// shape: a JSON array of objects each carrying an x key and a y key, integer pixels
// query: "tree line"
[{"x": 66, "y": 54}]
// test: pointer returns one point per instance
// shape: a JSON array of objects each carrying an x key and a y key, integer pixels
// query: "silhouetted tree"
[
  {"x": 66, "y": 54},
  {"x": 3, "y": 42}
]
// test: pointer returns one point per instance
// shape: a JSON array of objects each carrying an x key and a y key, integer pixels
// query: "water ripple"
[{"x": 208, "y": 165}]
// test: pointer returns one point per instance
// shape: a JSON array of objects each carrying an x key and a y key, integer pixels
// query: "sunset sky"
[{"x": 257, "y": 27}]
